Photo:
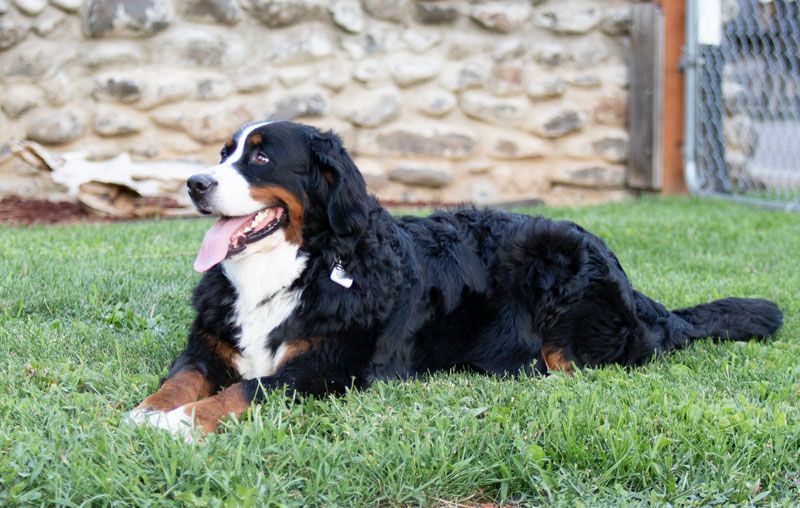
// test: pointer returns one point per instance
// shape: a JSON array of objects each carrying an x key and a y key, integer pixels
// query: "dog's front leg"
[{"x": 184, "y": 387}]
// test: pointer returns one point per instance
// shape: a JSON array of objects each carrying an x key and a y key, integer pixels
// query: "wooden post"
[
  {"x": 645, "y": 162},
  {"x": 672, "y": 129}
]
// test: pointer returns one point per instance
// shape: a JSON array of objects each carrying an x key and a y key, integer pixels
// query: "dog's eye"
[{"x": 259, "y": 158}]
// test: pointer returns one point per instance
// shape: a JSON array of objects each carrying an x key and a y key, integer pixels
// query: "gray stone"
[
  {"x": 56, "y": 127},
  {"x": 373, "y": 173},
  {"x": 506, "y": 79},
  {"x": 215, "y": 123},
  {"x": 118, "y": 88},
  {"x": 290, "y": 77},
  {"x": 111, "y": 53},
  {"x": 420, "y": 175},
  {"x": 612, "y": 148},
  {"x": 611, "y": 109},
  {"x": 226, "y": 12},
  {"x": 69, "y": 6},
  {"x": 461, "y": 45},
  {"x": 513, "y": 146},
  {"x": 21, "y": 186},
  {"x": 379, "y": 38},
  {"x": 575, "y": 17},
  {"x": 436, "y": 102},
  {"x": 590, "y": 51},
  {"x": 479, "y": 167},
  {"x": 334, "y": 75},
  {"x": 436, "y": 12},
  {"x": 171, "y": 117},
  {"x": 597, "y": 177},
  {"x": 306, "y": 46},
  {"x": 504, "y": 112},
  {"x": 585, "y": 81},
  {"x": 59, "y": 90},
  {"x": 546, "y": 89},
  {"x": 369, "y": 72},
  {"x": 34, "y": 59},
  {"x": 508, "y": 49},
  {"x": 115, "y": 122},
  {"x": 47, "y": 22},
  {"x": 347, "y": 15},
  {"x": 484, "y": 192},
  {"x": 414, "y": 141},
  {"x": 293, "y": 106},
  {"x": 163, "y": 90},
  {"x": 413, "y": 71},
  {"x": 204, "y": 47},
  {"x": 278, "y": 13},
  {"x": 18, "y": 99},
  {"x": 390, "y": 10},
  {"x": 252, "y": 79},
  {"x": 420, "y": 41},
  {"x": 3, "y": 10},
  {"x": 550, "y": 54},
  {"x": 126, "y": 17},
  {"x": 503, "y": 17},
  {"x": 375, "y": 107},
  {"x": 30, "y": 7},
  {"x": 617, "y": 21},
  {"x": 12, "y": 32},
  {"x": 215, "y": 87},
  {"x": 469, "y": 75},
  {"x": 556, "y": 122}
]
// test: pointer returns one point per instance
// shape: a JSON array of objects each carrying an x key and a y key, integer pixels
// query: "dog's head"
[{"x": 271, "y": 176}]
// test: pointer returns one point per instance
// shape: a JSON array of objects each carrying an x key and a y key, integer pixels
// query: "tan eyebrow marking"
[
  {"x": 255, "y": 139},
  {"x": 229, "y": 143}
]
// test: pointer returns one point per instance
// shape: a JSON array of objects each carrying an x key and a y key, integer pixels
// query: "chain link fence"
[{"x": 744, "y": 103}]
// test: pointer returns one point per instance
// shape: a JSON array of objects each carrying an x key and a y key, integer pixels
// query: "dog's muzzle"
[{"x": 200, "y": 187}]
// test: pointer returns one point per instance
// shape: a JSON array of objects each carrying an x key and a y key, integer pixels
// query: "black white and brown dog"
[{"x": 312, "y": 287}]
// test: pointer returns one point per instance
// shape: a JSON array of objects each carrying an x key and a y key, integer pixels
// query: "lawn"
[{"x": 92, "y": 314}]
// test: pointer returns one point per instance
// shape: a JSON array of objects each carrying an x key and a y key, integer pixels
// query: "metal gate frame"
[{"x": 691, "y": 63}]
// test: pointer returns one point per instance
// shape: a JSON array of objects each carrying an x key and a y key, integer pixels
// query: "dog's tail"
[{"x": 726, "y": 319}]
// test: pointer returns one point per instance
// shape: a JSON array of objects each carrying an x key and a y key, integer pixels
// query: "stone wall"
[{"x": 445, "y": 100}]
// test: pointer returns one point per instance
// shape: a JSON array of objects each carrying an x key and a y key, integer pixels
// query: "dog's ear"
[{"x": 347, "y": 192}]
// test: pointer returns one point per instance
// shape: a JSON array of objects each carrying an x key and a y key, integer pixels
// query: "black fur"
[{"x": 484, "y": 290}]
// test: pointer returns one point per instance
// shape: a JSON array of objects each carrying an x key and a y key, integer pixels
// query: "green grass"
[{"x": 91, "y": 315}]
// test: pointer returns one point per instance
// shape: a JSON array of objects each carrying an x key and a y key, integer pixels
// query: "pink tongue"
[{"x": 215, "y": 243}]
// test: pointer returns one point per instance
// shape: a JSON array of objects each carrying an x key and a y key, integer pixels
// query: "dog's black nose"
[{"x": 199, "y": 185}]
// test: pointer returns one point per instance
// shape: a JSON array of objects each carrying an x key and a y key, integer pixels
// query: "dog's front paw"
[{"x": 177, "y": 422}]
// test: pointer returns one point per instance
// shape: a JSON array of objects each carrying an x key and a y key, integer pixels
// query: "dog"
[{"x": 310, "y": 286}]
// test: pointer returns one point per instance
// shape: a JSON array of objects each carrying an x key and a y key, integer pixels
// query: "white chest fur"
[{"x": 263, "y": 300}]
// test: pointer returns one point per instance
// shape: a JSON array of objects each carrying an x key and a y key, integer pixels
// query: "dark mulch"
[{"x": 20, "y": 211}]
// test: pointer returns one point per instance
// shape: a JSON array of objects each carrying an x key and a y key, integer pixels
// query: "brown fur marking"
[
  {"x": 255, "y": 139},
  {"x": 270, "y": 194},
  {"x": 298, "y": 348},
  {"x": 223, "y": 350},
  {"x": 209, "y": 413},
  {"x": 186, "y": 386},
  {"x": 229, "y": 143},
  {"x": 555, "y": 360}
]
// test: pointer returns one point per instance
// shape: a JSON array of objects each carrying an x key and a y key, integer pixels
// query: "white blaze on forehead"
[
  {"x": 231, "y": 196},
  {"x": 241, "y": 141}
]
